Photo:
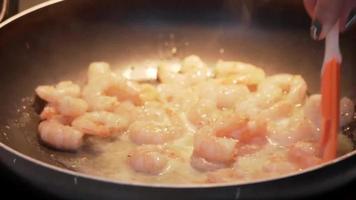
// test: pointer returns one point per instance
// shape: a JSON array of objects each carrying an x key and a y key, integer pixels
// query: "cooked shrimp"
[
  {"x": 64, "y": 98},
  {"x": 153, "y": 111},
  {"x": 287, "y": 131},
  {"x": 304, "y": 154},
  {"x": 60, "y": 136},
  {"x": 149, "y": 93},
  {"x": 213, "y": 149},
  {"x": 99, "y": 78},
  {"x": 125, "y": 90},
  {"x": 243, "y": 130},
  {"x": 229, "y": 95},
  {"x": 192, "y": 63},
  {"x": 312, "y": 109},
  {"x": 105, "y": 89},
  {"x": 97, "y": 101},
  {"x": 100, "y": 123},
  {"x": 195, "y": 69},
  {"x": 177, "y": 96},
  {"x": 168, "y": 72},
  {"x": 229, "y": 72},
  {"x": 127, "y": 110},
  {"x": 230, "y": 123},
  {"x": 248, "y": 108},
  {"x": 48, "y": 112},
  {"x": 152, "y": 132},
  {"x": 222, "y": 95},
  {"x": 293, "y": 86},
  {"x": 203, "y": 165},
  {"x": 64, "y": 88},
  {"x": 280, "y": 110},
  {"x": 70, "y": 106},
  {"x": 266, "y": 105},
  {"x": 204, "y": 112},
  {"x": 297, "y": 90},
  {"x": 214, "y": 101},
  {"x": 347, "y": 109},
  {"x": 267, "y": 94},
  {"x": 148, "y": 159},
  {"x": 191, "y": 71}
]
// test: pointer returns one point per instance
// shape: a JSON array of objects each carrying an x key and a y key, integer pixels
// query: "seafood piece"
[
  {"x": 273, "y": 88},
  {"x": 149, "y": 93},
  {"x": 64, "y": 98},
  {"x": 127, "y": 110},
  {"x": 64, "y": 88},
  {"x": 100, "y": 123},
  {"x": 155, "y": 125},
  {"x": 48, "y": 112},
  {"x": 287, "y": 131},
  {"x": 148, "y": 159},
  {"x": 204, "y": 112},
  {"x": 70, "y": 106},
  {"x": 304, "y": 154},
  {"x": 191, "y": 71},
  {"x": 125, "y": 90},
  {"x": 212, "y": 152},
  {"x": 229, "y": 95},
  {"x": 60, "y": 136},
  {"x": 312, "y": 109},
  {"x": 154, "y": 111},
  {"x": 192, "y": 63},
  {"x": 248, "y": 108},
  {"x": 195, "y": 124},
  {"x": 203, "y": 165},
  {"x": 152, "y": 132},
  {"x": 105, "y": 89},
  {"x": 224, "y": 96},
  {"x": 178, "y": 97},
  {"x": 280, "y": 110},
  {"x": 195, "y": 69},
  {"x": 168, "y": 72},
  {"x": 347, "y": 109},
  {"x": 230, "y": 72},
  {"x": 267, "y": 94},
  {"x": 243, "y": 130}
]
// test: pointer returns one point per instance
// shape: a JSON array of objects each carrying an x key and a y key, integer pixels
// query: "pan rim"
[
  {"x": 28, "y": 11},
  {"x": 141, "y": 184},
  {"x": 169, "y": 185}
]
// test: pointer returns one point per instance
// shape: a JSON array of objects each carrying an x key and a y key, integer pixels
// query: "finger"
[
  {"x": 348, "y": 14},
  {"x": 326, "y": 14},
  {"x": 309, "y": 6}
]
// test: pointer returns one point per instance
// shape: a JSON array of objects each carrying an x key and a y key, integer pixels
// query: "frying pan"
[{"x": 58, "y": 39}]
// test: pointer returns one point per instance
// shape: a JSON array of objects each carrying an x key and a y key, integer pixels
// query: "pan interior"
[{"x": 42, "y": 48}]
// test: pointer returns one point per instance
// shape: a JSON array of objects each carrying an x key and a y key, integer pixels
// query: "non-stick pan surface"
[{"x": 59, "y": 40}]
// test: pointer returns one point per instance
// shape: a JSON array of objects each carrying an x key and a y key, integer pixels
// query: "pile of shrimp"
[{"x": 195, "y": 124}]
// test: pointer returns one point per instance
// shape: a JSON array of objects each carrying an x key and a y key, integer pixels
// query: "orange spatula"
[{"x": 330, "y": 95}]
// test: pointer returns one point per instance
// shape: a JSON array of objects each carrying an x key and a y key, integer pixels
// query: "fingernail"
[
  {"x": 350, "y": 19},
  {"x": 315, "y": 29}
]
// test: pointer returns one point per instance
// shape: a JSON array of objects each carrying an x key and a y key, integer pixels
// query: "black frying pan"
[{"x": 59, "y": 40}]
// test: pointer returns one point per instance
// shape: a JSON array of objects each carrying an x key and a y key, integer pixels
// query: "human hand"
[{"x": 326, "y": 13}]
